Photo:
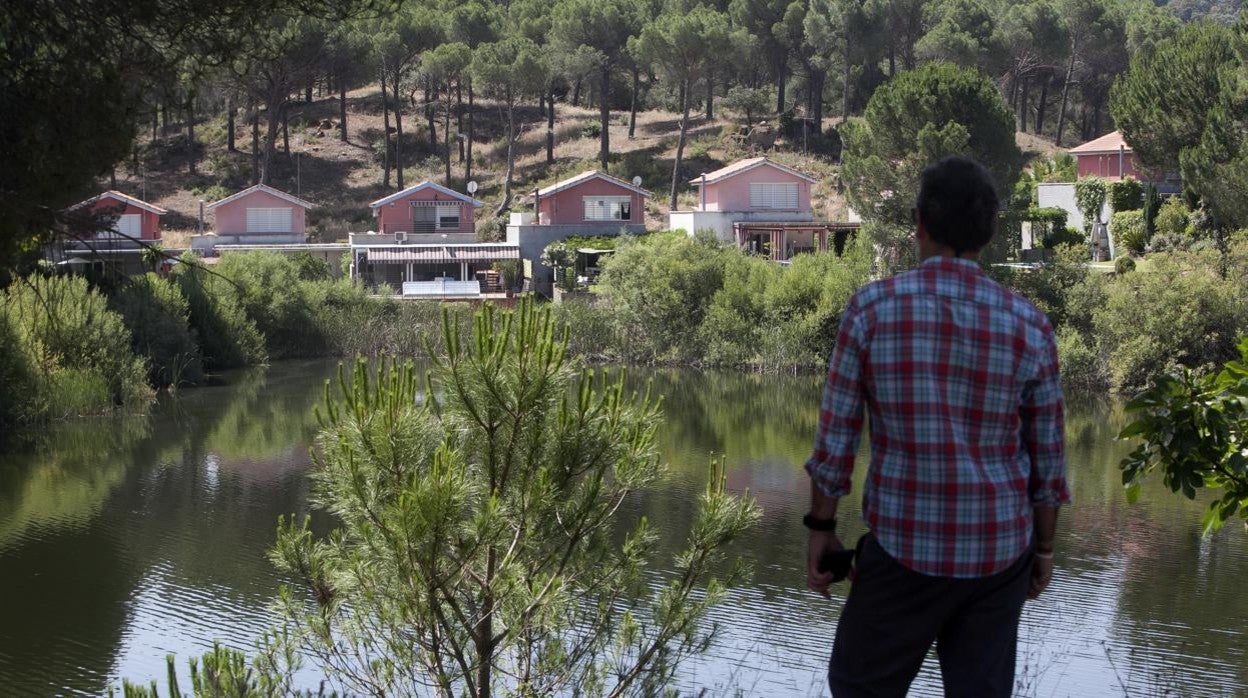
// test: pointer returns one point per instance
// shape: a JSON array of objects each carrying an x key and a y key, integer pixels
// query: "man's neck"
[{"x": 946, "y": 251}]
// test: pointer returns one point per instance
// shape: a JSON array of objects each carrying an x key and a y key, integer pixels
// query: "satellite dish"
[
  {"x": 637, "y": 181},
  {"x": 472, "y": 187}
]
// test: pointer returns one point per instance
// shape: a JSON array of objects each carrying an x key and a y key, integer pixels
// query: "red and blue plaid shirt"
[{"x": 961, "y": 381}]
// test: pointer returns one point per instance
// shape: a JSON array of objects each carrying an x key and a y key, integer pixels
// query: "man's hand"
[
  {"x": 1041, "y": 575},
  {"x": 819, "y": 543}
]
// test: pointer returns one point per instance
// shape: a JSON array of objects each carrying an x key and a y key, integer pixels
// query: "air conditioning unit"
[{"x": 400, "y": 236}]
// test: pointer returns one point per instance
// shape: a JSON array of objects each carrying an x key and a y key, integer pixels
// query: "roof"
[
  {"x": 421, "y": 187},
  {"x": 437, "y": 254},
  {"x": 1109, "y": 143},
  {"x": 585, "y": 177},
  {"x": 111, "y": 194},
  {"x": 740, "y": 166},
  {"x": 266, "y": 189}
]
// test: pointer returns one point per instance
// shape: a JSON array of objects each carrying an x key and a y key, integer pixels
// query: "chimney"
[{"x": 702, "y": 193}]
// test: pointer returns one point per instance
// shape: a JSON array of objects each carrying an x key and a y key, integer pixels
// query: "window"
[
  {"x": 608, "y": 208},
  {"x": 128, "y": 226},
  {"x": 448, "y": 217},
  {"x": 779, "y": 195},
  {"x": 269, "y": 220}
]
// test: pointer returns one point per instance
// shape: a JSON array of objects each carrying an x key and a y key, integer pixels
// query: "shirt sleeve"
[
  {"x": 1043, "y": 429},
  {"x": 840, "y": 413}
]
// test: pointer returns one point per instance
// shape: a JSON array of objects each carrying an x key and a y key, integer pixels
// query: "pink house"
[
  {"x": 756, "y": 184},
  {"x": 760, "y": 206},
  {"x": 425, "y": 209},
  {"x": 591, "y": 199},
  {"x": 1108, "y": 156},
  {"x": 136, "y": 220},
  {"x": 260, "y": 215}
]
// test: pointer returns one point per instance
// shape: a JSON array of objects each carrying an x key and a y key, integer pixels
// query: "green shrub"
[
  {"x": 1126, "y": 194},
  {"x": 1083, "y": 369},
  {"x": 1172, "y": 218},
  {"x": 593, "y": 129},
  {"x": 1168, "y": 242},
  {"x": 75, "y": 347},
  {"x": 1090, "y": 193},
  {"x": 1127, "y": 228},
  {"x": 227, "y": 338},
  {"x": 1124, "y": 265},
  {"x": 158, "y": 318}
]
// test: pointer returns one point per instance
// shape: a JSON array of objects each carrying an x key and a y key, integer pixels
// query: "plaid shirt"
[{"x": 960, "y": 377}]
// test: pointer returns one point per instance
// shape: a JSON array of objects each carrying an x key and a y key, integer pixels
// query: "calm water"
[{"x": 124, "y": 540}]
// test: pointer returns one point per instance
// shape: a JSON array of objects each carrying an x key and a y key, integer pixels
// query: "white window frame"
[
  {"x": 607, "y": 208},
  {"x": 270, "y": 220},
  {"x": 782, "y": 196},
  {"x": 447, "y": 212}
]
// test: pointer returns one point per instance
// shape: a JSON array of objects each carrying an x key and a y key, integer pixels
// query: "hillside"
[{"x": 342, "y": 178}]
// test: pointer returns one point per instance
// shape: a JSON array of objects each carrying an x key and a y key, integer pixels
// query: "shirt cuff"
[
  {"x": 828, "y": 483},
  {"x": 1049, "y": 497}
]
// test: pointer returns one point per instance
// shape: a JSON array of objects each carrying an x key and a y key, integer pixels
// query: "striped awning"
[{"x": 442, "y": 254}]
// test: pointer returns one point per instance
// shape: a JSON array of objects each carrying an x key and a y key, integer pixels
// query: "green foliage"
[
  {"x": 1180, "y": 313},
  {"x": 748, "y": 101},
  {"x": 592, "y": 129},
  {"x": 1126, "y": 194},
  {"x": 157, "y": 316},
  {"x": 1124, "y": 265},
  {"x": 1128, "y": 230},
  {"x": 227, "y": 337},
  {"x": 66, "y": 351},
  {"x": 676, "y": 298},
  {"x": 1173, "y": 217},
  {"x": 913, "y": 121},
  {"x": 1090, "y": 193},
  {"x": 478, "y": 513},
  {"x": 1192, "y": 427},
  {"x": 1083, "y": 370},
  {"x": 1048, "y": 225}
]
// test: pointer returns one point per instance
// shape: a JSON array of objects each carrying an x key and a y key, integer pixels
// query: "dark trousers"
[{"x": 893, "y": 614}]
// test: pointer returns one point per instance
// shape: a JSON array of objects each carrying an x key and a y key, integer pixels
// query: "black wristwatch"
[{"x": 821, "y": 525}]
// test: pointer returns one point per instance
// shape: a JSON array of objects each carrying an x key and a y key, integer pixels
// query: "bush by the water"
[
  {"x": 64, "y": 353},
  {"x": 157, "y": 315}
]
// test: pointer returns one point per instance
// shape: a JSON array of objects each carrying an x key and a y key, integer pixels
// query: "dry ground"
[{"x": 342, "y": 178}]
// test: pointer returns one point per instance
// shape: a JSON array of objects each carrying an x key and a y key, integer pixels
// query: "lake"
[{"x": 125, "y": 539}]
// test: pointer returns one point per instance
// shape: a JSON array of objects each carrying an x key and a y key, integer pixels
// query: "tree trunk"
[
  {"x": 892, "y": 60},
  {"x": 468, "y": 141},
  {"x": 680, "y": 143},
  {"x": 446, "y": 134},
  {"x": 190, "y": 133},
  {"x": 845, "y": 83},
  {"x": 710, "y": 94},
  {"x": 604, "y": 115},
  {"x": 112, "y": 178},
  {"x": 286, "y": 130},
  {"x": 429, "y": 116},
  {"x": 164, "y": 119},
  {"x": 816, "y": 110},
  {"x": 342, "y": 111},
  {"x": 275, "y": 115},
  {"x": 576, "y": 93},
  {"x": 632, "y": 107},
  {"x": 550, "y": 125},
  {"x": 385, "y": 133},
  {"x": 255, "y": 146},
  {"x": 1038, "y": 124},
  {"x": 541, "y": 105},
  {"x": 511, "y": 154},
  {"x": 229, "y": 125},
  {"x": 1061, "y": 114},
  {"x": 459, "y": 115},
  {"x": 398, "y": 134},
  {"x": 1024, "y": 100},
  {"x": 154, "y": 123},
  {"x": 780, "y": 90}
]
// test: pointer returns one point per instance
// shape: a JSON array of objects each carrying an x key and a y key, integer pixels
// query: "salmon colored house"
[
  {"x": 136, "y": 219},
  {"x": 260, "y": 215},
  {"x": 760, "y": 206},
  {"x": 1108, "y": 156},
  {"x": 425, "y": 209},
  {"x": 591, "y": 199}
]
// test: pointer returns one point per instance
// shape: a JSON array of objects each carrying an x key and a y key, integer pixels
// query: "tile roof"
[
  {"x": 422, "y": 186},
  {"x": 585, "y": 177},
  {"x": 740, "y": 166},
  {"x": 1109, "y": 143},
  {"x": 118, "y": 196},
  {"x": 266, "y": 189}
]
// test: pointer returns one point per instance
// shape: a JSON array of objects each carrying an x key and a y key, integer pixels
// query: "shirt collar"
[{"x": 953, "y": 264}]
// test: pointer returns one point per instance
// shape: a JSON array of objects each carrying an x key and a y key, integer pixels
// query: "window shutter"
[
  {"x": 774, "y": 195},
  {"x": 130, "y": 225},
  {"x": 269, "y": 220},
  {"x": 607, "y": 208},
  {"x": 448, "y": 217}
]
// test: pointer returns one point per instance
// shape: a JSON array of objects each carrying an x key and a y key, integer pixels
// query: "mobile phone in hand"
[{"x": 838, "y": 562}]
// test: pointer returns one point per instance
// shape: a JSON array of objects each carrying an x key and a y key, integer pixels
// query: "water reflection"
[{"x": 123, "y": 540}]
